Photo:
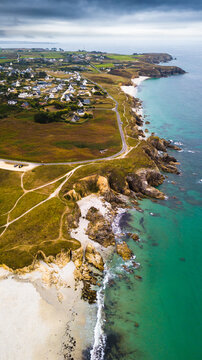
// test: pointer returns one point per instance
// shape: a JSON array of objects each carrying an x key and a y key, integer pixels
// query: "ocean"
[{"x": 155, "y": 311}]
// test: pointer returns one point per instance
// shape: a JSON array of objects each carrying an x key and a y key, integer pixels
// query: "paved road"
[{"x": 123, "y": 150}]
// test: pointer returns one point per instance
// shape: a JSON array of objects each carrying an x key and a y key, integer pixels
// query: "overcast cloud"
[{"x": 42, "y": 20}]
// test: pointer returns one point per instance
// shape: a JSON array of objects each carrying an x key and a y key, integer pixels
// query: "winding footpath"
[{"x": 55, "y": 193}]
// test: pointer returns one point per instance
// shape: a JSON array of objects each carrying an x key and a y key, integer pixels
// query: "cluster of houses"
[{"x": 50, "y": 88}]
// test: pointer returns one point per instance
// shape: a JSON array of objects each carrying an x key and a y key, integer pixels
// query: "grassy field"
[
  {"x": 22, "y": 138},
  {"x": 121, "y": 58},
  {"x": 10, "y": 189},
  {"x": 103, "y": 65},
  {"x": 26, "y": 203},
  {"x": 38, "y": 230},
  {"x": 2, "y": 61},
  {"x": 42, "y": 175}
]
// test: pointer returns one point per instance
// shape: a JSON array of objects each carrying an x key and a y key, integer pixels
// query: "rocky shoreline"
[{"x": 97, "y": 200}]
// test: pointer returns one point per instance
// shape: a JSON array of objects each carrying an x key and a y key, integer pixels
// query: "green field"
[
  {"x": 22, "y": 138},
  {"x": 123, "y": 57},
  {"x": 104, "y": 65}
]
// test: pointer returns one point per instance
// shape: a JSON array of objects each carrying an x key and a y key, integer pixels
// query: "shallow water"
[{"x": 160, "y": 316}]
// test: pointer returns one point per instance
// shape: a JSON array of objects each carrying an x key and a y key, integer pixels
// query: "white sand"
[
  {"x": 139, "y": 80},
  {"x": 35, "y": 309},
  {"x": 132, "y": 89},
  {"x": 10, "y": 166}
]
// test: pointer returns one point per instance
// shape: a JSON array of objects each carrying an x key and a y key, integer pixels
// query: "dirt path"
[{"x": 52, "y": 195}]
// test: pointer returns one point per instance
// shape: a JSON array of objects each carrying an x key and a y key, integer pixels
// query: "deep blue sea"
[{"x": 160, "y": 316}]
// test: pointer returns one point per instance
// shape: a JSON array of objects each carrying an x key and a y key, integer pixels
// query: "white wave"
[
  {"x": 115, "y": 225},
  {"x": 178, "y": 143},
  {"x": 98, "y": 350},
  {"x": 200, "y": 181}
]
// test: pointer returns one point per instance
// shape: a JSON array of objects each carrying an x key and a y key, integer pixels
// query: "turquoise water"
[{"x": 160, "y": 316}]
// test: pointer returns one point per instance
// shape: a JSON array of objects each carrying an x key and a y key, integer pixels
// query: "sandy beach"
[
  {"x": 132, "y": 89},
  {"x": 42, "y": 315}
]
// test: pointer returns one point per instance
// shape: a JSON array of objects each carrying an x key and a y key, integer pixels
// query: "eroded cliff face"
[
  {"x": 156, "y": 58},
  {"x": 161, "y": 71},
  {"x": 87, "y": 186}
]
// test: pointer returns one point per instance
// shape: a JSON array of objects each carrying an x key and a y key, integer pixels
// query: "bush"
[{"x": 45, "y": 118}]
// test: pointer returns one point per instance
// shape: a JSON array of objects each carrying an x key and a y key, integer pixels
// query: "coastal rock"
[
  {"x": 143, "y": 181},
  {"x": 62, "y": 258},
  {"x": 139, "y": 121},
  {"x": 88, "y": 294},
  {"x": 167, "y": 158},
  {"x": 100, "y": 229},
  {"x": 153, "y": 177},
  {"x": 164, "y": 162},
  {"x": 77, "y": 257},
  {"x": 124, "y": 251},
  {"x": 171, "y": 146},
  {"x": 94, "y": 214},
  {"x": 135, "y": 237},
  {"x": 117, "y": 182},
  {"x": 171, "y": 168},
  {"x": 73, "y": 216},
  {"x": 157, "y": 71},
  {"x": 157, "y": 58},
  {"x": 93, "y": 257},
  {"x": 88, "y": 185},
  {"x": 83, "y": 273},
  {"x": 157, "y": 143}
]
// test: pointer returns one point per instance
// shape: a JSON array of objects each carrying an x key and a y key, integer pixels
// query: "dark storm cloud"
[
  {"x": 54, "y": 18},
  {"x": 78, "y": 9}
]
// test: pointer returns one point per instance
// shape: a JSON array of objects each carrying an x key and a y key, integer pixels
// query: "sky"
[{"x": 80, "y": 23}]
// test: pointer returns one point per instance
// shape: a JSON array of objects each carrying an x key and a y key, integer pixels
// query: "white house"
[
  {"x": 67, "y": 98},
  {"x": 12, "y": 102},
  {"x": 23, "y": 95},
  {"x": 80, "y": 104},
  {"x": 80, "y": 112}
]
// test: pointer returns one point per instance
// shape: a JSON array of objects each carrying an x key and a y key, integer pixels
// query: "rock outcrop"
[
  {"x": 124, "y": 251},
  {"x": 73, "y": 216},
  {"x": 88, "y": 185},
  {"x": 77, "y": 257},
  {"x": 93, "y": 257},
  {"x": 99, "y": 228},
  {"x": 143, "y": 180}
]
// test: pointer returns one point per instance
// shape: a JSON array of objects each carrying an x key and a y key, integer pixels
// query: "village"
[{"x": 66, "y": 92}]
